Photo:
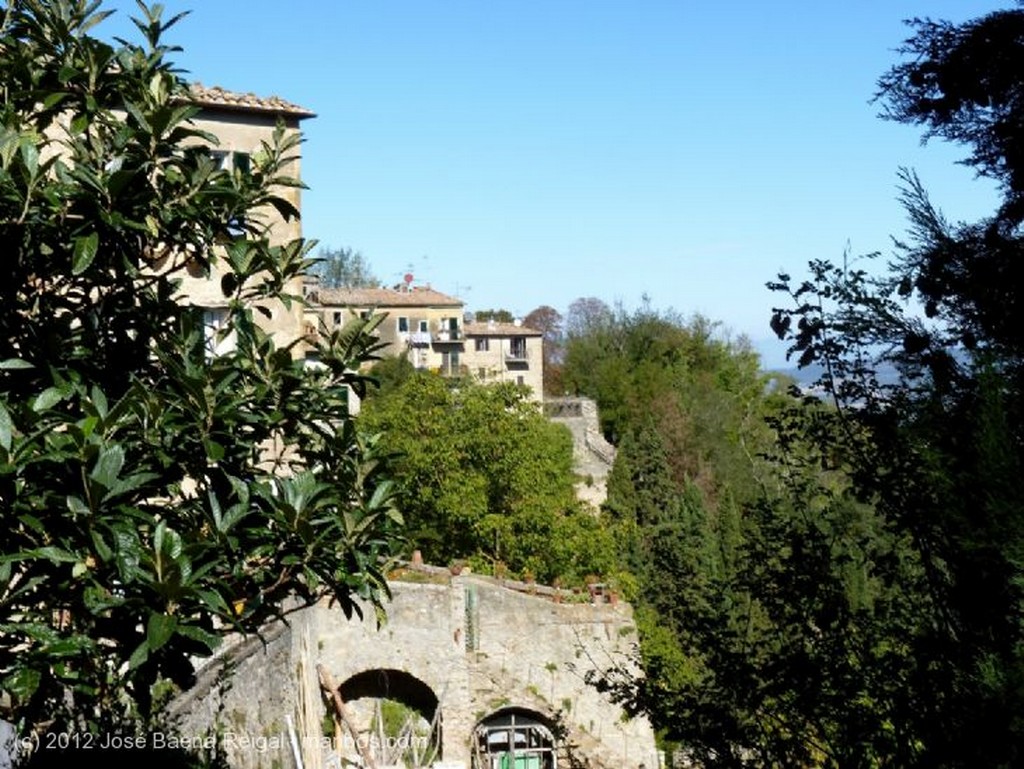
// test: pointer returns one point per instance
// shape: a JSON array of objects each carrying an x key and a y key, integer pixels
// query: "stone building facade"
[
  {"x": 242, "y": 124},
  {"x": 423, "y": 324},
  {"x": 429, "y": 328},
  {"x": 494, "y": 673},
  {"x": 506, "y": 352}
]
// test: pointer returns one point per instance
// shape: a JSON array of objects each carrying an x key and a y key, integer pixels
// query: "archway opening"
[
  {"x": 515, "y": 738},
  {"x": 391, "y": 715}
]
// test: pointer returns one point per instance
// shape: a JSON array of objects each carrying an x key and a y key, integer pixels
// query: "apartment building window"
[
  {"x": 225, "y": 161},
  {"x": 450, "y": 363},
  {"x": 218, "y": 340},
  {"x": 241, "y": 162},
  {"x": 481, "y": 344},
  {"x": 403, "y": 325},
  {"x": 337, "y": 319},
  {"x": 424, "y": 328},
  {"x": 517, "y": 347}
]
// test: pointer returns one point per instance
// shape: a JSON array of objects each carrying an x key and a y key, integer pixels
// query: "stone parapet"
[{"x": 457, "y": 648}]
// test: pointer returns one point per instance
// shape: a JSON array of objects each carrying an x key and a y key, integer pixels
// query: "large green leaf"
[
  {"x": 6, "y": 428},
  {"x": 49, "y": 553},
  {"x": 139, "y": 655},
  {"x": 128, "y": 553},
  {"x": 134, "y": 475},
  {"x": 211, "y": 640},
  {"x": 22, "y": 683},
  {"x": 49, "y": 398},
  {"x": 159, "y": 629},
  {"x": 108, "y": 466},
  {"x": 30, "y": 155},
  {"x": 84, "y": 253}
]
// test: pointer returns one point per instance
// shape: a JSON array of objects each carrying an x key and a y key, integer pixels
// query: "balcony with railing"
[
  {"x": 444, "y": 335},
  {"x": 517, "y": 352}
]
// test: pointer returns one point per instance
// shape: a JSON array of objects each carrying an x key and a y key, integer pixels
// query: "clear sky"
[{"x": 518, "y": 153}]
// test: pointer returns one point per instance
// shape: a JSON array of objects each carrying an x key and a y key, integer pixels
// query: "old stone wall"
[
  {"x": 467, "y": 645},
  {"x": 593, "y": 456}
]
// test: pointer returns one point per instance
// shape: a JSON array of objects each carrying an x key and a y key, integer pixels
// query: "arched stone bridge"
[{"x": 468, "y": 671}]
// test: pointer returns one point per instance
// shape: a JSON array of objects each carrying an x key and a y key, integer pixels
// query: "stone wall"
[
  {"x": 477, "y": 645},
  {"x": 592, "y": 454}
]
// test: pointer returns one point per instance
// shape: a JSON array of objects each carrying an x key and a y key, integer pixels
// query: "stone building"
[
  {"x": 506, "y": 352},
  {"x": 421, "y": 323},
  {"x": 242, "y": 123},
  {"x": 429, "y": 328}
]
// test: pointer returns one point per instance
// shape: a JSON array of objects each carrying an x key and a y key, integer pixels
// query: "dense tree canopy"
[
  {"x": 859, "y": 604},
  {"x": 699, "y": 387},
  {"x": 940, "y": 451},
  {"x": 962, "y": 83},
  {"x": 889, "y": 570},
  {"x": 498, "y": 316},
  {"x": 153, "y": 496},
  {"x": 485, "y": 476},
  {"x": 343, "y": 268}
]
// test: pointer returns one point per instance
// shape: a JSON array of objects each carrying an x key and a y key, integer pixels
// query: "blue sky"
[{"x": 525, "y": 153}]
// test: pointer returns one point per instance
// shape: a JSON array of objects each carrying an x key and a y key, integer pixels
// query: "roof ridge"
[
  {"x": 216, "y": 96},
  {"x": 377, "y": 295}
]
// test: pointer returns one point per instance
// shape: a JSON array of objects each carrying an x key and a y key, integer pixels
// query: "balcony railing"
[
  {"x": 448, "y": 335},
  {"x": 517, "y": 356}
]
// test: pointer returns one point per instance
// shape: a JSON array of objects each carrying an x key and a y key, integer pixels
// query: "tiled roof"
[
  {"x": 499, "y": 329},
  {"x": 385, "y": 297},
  {"x": 214, "y": 96}
]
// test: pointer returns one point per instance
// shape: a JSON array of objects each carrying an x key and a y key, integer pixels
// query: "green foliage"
[
  {"x": 343, "y": 268},
  {"x": 702, "y": 393},
  {"x": 785, "y": 632},
  {"x": 937, "y": 455},
  {"x": 642, "y": 500},
  {"x": 484, "y": 474},
  {"x": 498, "y": 316},
  {"x": 153, "y": 496},
  {"x": 962, "y": 83},
  {"x": 839, "y": 586},
  {"x": 855, "y": 600},
  {"x": 933, "y": 458},
  {"x": 390, "y": 373}
]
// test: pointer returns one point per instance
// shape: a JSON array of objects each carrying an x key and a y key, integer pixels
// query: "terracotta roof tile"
[
  {"x": 214, "y": 96},
  {"x": 385, "y": 297}
]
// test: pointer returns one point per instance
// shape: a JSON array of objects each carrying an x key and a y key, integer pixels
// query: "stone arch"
[
  {"x": 396, "y": 714},
  {"x": 515, "y": 738},
  {"x": 391, "y": 684}
]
